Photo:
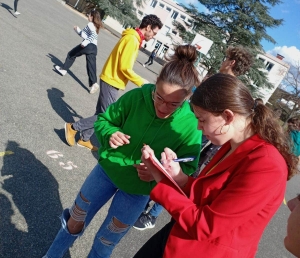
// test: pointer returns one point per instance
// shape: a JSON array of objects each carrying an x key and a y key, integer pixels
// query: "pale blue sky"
[{"x": 287, "y": 36}]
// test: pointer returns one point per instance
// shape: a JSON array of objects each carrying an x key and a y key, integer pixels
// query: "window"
[
  {"x": 157, "y": 45},
  {"x": 269, "y": 66},
  {"x": 140, "y": 13},
  {"x": 261, "y": 59},
  {"x": 174, "y": 32},
  {"x": 153, "y": 3},
  {"x": 168, "y": 9},
  {"x": 174, "y": 15},
  {"x": 161, "y": 5},
  {"x": 189, "y": 22},
  {"x": 182, "y": 17},
  {"x": 165, "y": 30}
]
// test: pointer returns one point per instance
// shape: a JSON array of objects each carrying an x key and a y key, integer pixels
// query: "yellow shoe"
[
  {"x": 87, "y": 145},
  {"x": 70, "y": 134}
]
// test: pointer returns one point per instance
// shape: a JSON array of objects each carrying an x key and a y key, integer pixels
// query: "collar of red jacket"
[
  {"x": 241, "y": 152},
  {"x": 141, "y": 35}
]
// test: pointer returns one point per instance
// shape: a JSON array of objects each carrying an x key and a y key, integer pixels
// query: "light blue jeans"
[
  {"x": 156, "y": 210},
  {"x": 98, "y": 189}
]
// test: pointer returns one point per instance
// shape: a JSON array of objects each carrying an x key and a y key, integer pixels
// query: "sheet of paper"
[{"x": 160, "y": 167}]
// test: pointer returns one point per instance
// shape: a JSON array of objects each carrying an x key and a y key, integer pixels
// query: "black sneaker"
[{"x": 145, "y": 221}]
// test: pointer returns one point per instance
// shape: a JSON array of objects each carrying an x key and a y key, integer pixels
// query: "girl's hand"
[
  {"x": 118, "y": 139},
  {"x": 147, "y": 152},
  {"x": 167, "y": 158},
  {"x": 172, "y": 167},
  {"x": 143, "y": 172}
]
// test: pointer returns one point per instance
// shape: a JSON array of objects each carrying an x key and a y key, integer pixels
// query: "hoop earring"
[{"x": 222, "y": 129}]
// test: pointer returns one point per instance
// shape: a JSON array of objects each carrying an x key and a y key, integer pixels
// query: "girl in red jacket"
[{"x": 226, "y": 208}]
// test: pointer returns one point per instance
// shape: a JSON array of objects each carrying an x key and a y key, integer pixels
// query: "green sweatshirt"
[{"x": 134, "y": 115}]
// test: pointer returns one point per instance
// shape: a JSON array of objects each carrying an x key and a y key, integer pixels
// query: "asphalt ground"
[{"x": 41, "y": 174}]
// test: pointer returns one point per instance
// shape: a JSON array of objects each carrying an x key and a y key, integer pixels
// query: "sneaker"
[
  {"x": 145, "y": 221},
  {"x": 60, "y": 70},
  {"x": 87, "y": 145},
  {"x": 144, "y": 65},
  {"x": 17, "y": 13},
  {"x": 94, "y": 88},
  {"x": 70, "y": 134}
]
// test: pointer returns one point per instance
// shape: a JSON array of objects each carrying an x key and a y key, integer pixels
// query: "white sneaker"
[
  {"x": 94, "y": 88},
  {"x": 17, "y": 13},
  {"x": 144, "y": 65},
  {"x": 61, "y": 71}
]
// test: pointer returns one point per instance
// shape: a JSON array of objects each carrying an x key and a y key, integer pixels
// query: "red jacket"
[{"x": 228, "y": 209}]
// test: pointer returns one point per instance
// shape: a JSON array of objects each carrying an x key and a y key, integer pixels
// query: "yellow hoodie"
[{"x": 118, "y": 69}]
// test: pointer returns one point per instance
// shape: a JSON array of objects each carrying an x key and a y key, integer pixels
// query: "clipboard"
[{"x": 160, "y": 167}]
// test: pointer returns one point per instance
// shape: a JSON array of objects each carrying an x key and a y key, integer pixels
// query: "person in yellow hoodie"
[{"x": 116, "y": 72}]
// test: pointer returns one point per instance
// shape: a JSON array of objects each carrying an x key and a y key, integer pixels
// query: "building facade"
[{"x": 276, "y": 69}]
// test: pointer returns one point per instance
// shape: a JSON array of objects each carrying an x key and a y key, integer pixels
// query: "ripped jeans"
[{"x": 94, "y": 193}]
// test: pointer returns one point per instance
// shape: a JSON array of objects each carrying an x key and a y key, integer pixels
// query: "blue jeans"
[
  {"x": 156, "y": 210},
  {"x": 98, "y": 189}
]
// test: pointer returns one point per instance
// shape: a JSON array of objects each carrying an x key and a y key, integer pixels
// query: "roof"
[
  {"x": 277, "y": 60},
  {"x": 174, "y": 4}
]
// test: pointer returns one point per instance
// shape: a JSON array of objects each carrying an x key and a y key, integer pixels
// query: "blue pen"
[{"x": 187, "y": 159}]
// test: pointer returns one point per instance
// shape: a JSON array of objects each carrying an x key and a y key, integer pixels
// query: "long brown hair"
[
  {"x": 180, "y": 69},
  {"x": 223, "y": 91},
  {"x": 96, "y": 20}
]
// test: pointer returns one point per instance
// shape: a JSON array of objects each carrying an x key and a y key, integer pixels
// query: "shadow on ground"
[
  {"x": 56, "y": 61},
  {"x": 30, "y": 205},
  {"x": 67, "y": 113},
  {"x": 63, "y": 109},
  {"x": 8, "y": 8}
]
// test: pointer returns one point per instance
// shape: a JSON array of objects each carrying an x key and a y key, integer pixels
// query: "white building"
[{"x": 276, "y": 69}]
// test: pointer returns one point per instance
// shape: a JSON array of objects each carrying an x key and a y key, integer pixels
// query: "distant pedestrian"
[
  {"x": 116, "y": 72},
  {"x": 293, "y": 130},
  {"x": 16, "y": 7},
  {"x": 88, "y": 47},
  {"x": 151, "y": 57}
]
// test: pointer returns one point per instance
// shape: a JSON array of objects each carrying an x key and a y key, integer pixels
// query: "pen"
[{"x": 187, "y": 159}]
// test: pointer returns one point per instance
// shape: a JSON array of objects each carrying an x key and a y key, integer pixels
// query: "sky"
[{"x": 287, "y": 36}]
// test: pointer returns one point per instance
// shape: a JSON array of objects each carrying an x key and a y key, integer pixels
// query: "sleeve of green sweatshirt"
[
  {"x": 111, "y": 121},
  {"x": 190, "y": 147},
  {"x": 128, "y": 54}
]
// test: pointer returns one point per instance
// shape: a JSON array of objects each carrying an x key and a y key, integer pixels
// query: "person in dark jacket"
[{"x": 151, "y": 57}]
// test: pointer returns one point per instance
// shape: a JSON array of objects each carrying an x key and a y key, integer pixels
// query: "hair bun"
[{"x": 185, "y": 53}]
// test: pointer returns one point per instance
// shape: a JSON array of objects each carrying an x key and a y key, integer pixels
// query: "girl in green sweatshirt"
[{"x": 157, "y": 115}]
